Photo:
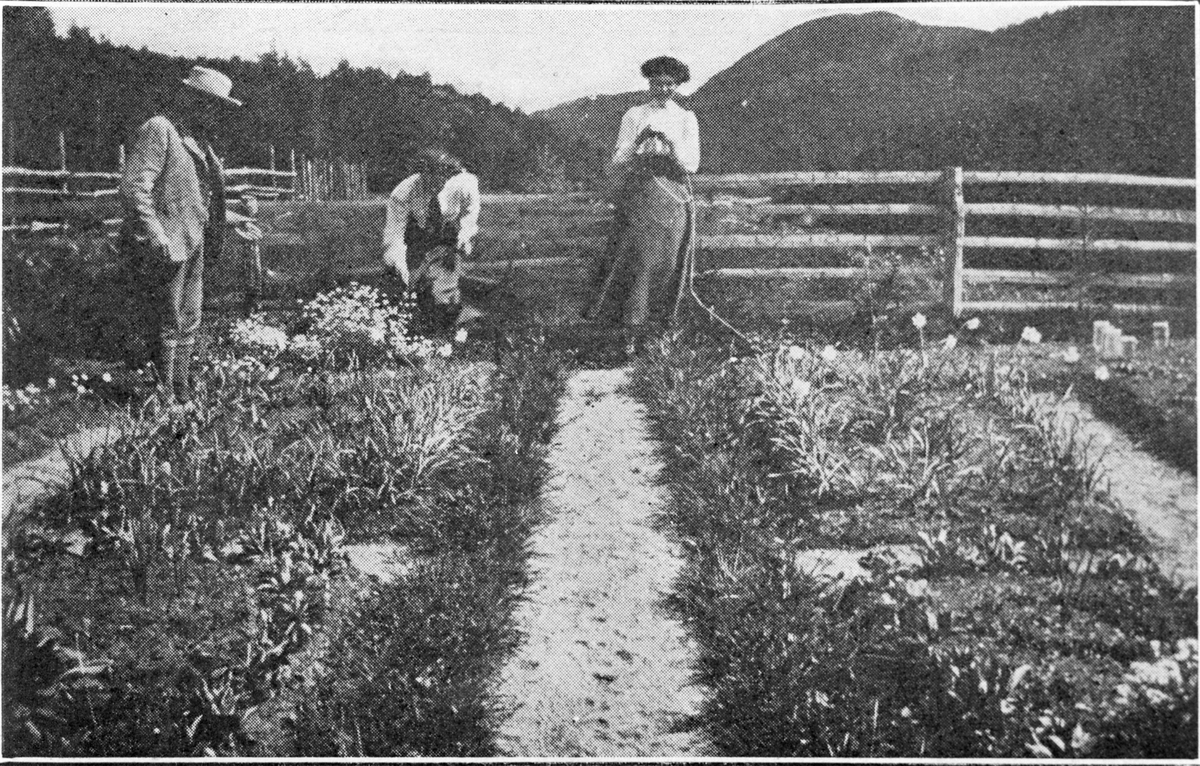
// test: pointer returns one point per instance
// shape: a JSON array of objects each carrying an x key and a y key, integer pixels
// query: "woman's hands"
[{"x": 649, "y": 132}]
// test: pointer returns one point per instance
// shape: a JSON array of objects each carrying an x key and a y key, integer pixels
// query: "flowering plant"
[
  {"x": 16, "y": 398},
  {"x": 1162, "y": 682},
  {"x": 255, "y": 335},
  {"x": 344, "y": 324},
  {"x": 355, "y": 320}
]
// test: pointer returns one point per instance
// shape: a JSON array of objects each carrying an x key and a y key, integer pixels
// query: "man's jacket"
[{"x": 165, "y": 196}]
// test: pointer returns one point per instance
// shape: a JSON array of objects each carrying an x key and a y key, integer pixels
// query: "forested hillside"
[
  {"x": 1105, "y": 88},
  {"x": 98, "y": 93}
]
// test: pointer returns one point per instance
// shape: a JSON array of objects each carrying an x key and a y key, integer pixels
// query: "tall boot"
[
  {"x": 181, "y": 381},
  {"x": 167, "y": 353}
]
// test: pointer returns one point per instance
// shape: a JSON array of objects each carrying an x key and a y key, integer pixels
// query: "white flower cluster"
[
  {"x": 1162, "y": 680},
  {"x": 346, "y": 320},
  {"x": 15, "y": 400},
  {"x": 305, "y": 347},
  {"x": 20, "y": 398},
  {"x": 254, "y": 334},
  {"x": 355, "y": 318}
]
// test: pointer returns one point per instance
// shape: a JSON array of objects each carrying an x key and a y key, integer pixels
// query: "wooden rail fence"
[
  {"x": 944, "y": 224},
  {"x": 306, "y": 178},
  {"x": 941, "y": 224},
  {"x": 948, "y": 230}
]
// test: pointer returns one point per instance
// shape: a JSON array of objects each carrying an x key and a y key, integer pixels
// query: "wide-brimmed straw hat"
[{"x": 212, "y": 83}]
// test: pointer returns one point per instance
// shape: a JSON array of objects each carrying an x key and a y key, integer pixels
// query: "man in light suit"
[{"x": 173, "y": 194}]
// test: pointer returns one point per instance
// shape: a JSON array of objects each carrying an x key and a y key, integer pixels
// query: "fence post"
[
  {"x": 295, "y": 178},
  {"x": 954, "y": 229},
  {"x": 272, "y": 163},
  {"x": 62, "y": 160},
  {"x": 121, "y": 159}
]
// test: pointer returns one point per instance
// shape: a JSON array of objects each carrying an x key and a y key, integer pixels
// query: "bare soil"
[
  {"x": 605, "y": 670},
  {"x": 30, "y": 479},
  {"x": 1160, "y": 497}
]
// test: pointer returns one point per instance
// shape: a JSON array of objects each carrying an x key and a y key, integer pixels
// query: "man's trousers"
[{"x": 166, "y": 304}]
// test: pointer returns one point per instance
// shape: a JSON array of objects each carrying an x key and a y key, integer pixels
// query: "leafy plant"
[{"x": 43, "y": 679}]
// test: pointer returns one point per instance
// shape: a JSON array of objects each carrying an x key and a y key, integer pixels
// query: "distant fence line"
[{"x": 306, "y": 178}]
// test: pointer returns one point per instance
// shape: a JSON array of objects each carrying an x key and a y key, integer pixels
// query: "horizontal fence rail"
[
  {"x": 1099, "y": 245},
  {"x": 1076, "y": 212},
  {"x": 806, "y": 241},
  {"x": 1109, "y": 179},
  {"x": 60, "y": 175},
  {"x": 739, "y": 181},
  {"x": 1054, "y": 278},
  {"x": 849, "y": 208}
]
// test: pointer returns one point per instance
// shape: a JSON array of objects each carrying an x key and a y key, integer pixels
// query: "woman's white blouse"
[
  {"x": 673, "y": 121},
  {"x": 459, "y": 201}
]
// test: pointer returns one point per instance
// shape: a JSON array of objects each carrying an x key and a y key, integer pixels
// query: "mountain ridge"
[{"x": 1086, "y": 88}]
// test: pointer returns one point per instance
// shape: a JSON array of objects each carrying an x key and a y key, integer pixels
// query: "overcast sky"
[{"x": 525, "y": 55}]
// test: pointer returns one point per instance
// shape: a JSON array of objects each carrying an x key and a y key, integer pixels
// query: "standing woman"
[
  {"x": 658, "y": 149},
  {"x": 432, "y": 219}
]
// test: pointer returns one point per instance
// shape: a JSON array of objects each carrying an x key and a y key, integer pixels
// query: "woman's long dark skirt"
[{"x": 647, "y": 262}]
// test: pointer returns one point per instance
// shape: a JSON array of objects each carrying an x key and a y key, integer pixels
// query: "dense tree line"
[{"x": 98, "y": 93}]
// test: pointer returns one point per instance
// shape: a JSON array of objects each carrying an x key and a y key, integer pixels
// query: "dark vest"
[
  {"x": 212, "y": 190},
  {"x": 436, "y": 231}
]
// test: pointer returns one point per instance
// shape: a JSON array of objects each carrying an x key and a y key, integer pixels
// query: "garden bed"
[
  {"x": 996, "y": 605},
  {"x": 191, "y": 575}
]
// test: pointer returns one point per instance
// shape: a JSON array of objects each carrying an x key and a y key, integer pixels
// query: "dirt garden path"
[
  {"x": 604, "y": 671},
  {"x": 30, "y": 479},
  {"x": 1160, "y": 497}
]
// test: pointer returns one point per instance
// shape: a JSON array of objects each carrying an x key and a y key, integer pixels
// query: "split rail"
[{"x": 38, "y": 193}]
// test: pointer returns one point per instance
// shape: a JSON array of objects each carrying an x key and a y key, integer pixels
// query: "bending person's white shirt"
[
  {"x": 673, "y": 121},
  {"x": 459, "y": 201}
]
